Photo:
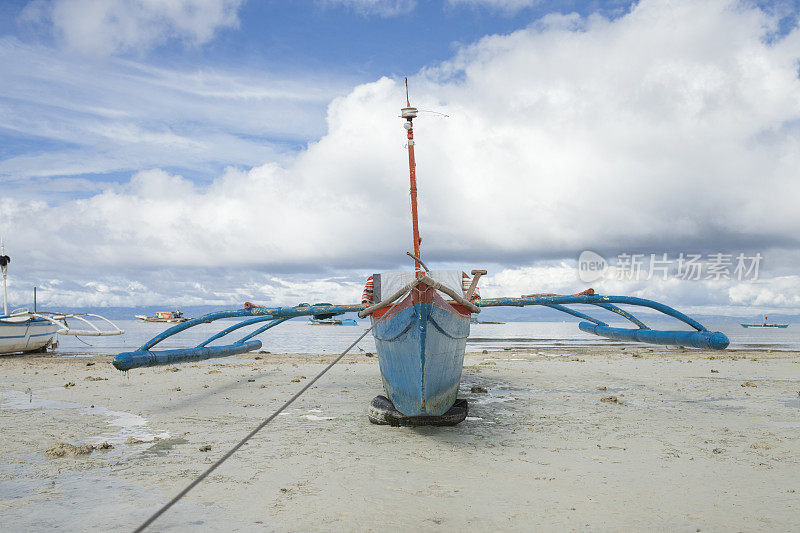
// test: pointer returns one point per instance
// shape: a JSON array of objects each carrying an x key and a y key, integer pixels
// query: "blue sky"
[
  {"x": 333, "y": 44},
  {"x": 220, "y": 150}
]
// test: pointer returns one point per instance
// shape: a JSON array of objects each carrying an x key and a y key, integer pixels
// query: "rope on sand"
[{"x": 241, "y": 443}]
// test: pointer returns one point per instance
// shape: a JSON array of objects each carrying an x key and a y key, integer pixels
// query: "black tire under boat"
[{"x": 382, "y": 412}]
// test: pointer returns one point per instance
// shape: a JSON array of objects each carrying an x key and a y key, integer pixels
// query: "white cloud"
[
  {"x": 382, "y": 8},
  {"x": 100, "y": 27},
  {"x": 673, "y": 128},
  {"x": 113, "y": 115}
]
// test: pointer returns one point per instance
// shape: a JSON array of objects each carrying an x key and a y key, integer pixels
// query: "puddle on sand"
[
  {"x": 492, "y": 398},
  {"x": 789, "y": 402},
  {"x": 582, "y": 391},
  {"x": 317, "y": 418},
  {"x": 222, "y": 362},
  {"x": 94, "y": 500},
  {"x": 761, "y": 378},
  {"x": 712, "y": 403},
  {"x": 125, "y": 425},
  {"x": 785, "y": 424},
  {"x": 308, "y": 415},
  {"x": 478, "y": 419},
  {"x": 493, "y": 395}
]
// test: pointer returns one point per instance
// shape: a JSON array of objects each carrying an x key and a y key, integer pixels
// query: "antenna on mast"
[{"x": 409, "y": 113}]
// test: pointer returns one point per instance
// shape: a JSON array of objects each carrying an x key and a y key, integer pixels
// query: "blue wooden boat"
[
  {"x": 421, "y": 322},
  {"x": 421, "y": 343}
]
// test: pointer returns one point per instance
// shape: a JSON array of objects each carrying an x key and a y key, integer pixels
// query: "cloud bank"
[{"x": 673, "y": 128}]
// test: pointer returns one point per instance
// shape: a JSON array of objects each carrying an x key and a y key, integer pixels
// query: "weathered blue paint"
[
  {"x": 421, "y": 354},
  {"x": 243, "y": 324},
  {"x": 702, "y": 338},
  {"x": 144, "y": 356},
  {"x": 262, "y": 329},
  {"x": 270, "y": 312},
  {"x": 623, "y": 313},
  {"x": 589, "y": 299},
  {"x": 696, "y": 339},
  {"x": 141, "y": 358}
]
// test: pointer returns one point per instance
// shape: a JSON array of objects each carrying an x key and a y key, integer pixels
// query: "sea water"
[{"x": 298, "y": 336}]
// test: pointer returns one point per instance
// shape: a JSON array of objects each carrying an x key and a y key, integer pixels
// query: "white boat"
[
  {"x": 21, "y": 332},
  {"x": 24, "y": 331}
]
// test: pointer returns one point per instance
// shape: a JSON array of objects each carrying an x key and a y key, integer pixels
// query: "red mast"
[{"x": 409, "y": 113}]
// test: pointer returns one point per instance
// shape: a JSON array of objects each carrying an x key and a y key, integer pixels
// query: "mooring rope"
[{"x": 241, "y": 443}]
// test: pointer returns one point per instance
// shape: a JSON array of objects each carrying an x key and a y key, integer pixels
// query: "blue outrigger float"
[{"x": 420, "y": 322}]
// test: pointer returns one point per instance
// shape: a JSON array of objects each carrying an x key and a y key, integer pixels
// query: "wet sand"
[{"x": 592, "y": 438}]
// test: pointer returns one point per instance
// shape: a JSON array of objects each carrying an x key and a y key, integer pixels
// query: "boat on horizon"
[
  {"x": 172, "y": 317},
  {"x": 474, "y": 320},
  {"x": 332, "y": 322},
  {"x": 766, "y": 324}
]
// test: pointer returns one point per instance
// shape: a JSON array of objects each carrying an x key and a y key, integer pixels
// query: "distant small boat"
[
  {"x": 765, "y": 325},
  {"x": 474, "y": 320},
  {"x": 172, "y": 317},
  {"x": 332, "y": 322}
]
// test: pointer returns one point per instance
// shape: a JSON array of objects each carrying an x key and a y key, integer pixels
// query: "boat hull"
[
  {"x": 420, "y": 343},
  {"x": 26, "y": 335}
]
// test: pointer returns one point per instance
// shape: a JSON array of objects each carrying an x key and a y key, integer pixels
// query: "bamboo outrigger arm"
[
  {"x": 60, "y": 320},
  {"x": 145, "y": 356},
  {"x": 701, "y": 338}
]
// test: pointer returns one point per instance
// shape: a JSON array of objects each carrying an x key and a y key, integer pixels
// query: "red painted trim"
[{"x": 423, "y": 294}]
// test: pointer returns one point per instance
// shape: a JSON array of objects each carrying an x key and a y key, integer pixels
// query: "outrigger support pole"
[
  {"x": 701, "y": 338},
  {"x": 696, "y": 339},
  {"x": 138, "y": 359},
  {"x": 145, "y": 356}
]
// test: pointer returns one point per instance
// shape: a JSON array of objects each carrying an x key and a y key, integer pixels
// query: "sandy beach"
[{"x": 589, "y": 438}]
